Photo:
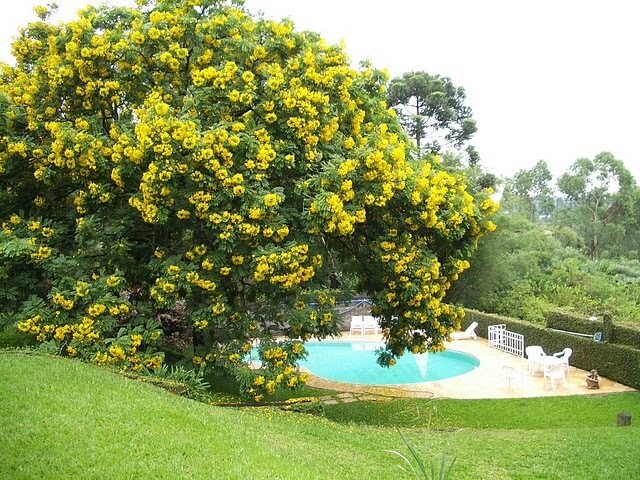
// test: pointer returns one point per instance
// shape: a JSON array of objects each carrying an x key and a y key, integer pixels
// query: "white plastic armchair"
[
  {"x": 512, "y": 376},
  {"x": 534, "y": 354},
  {"x": 564, "y": 355},
  {"x": 555, "y": 373}
]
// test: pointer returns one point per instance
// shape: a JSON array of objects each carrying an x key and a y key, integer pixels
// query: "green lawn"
[{"x": 64, "y": 419}]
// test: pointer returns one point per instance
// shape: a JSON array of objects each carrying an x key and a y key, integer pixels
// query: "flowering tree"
[{"x": 186, "y": 156}]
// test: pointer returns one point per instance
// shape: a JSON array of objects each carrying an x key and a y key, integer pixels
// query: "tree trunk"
[
  {"x": 418, "y": 133},
  {"x": 624, "y": 419},
  {"x": 594, "y": 252}
]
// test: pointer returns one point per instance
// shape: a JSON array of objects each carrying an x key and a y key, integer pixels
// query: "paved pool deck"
[{"x": 489, "y": 380}]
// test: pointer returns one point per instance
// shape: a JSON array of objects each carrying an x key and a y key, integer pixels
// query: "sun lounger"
[
  {"x": 470, "y": 332},
  {"x": 370, "y": 324},
  {"x": 357, "y": 324}
]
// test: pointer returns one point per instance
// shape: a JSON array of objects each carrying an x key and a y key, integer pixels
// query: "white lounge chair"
[
  {"x": 534, "y": 354},
  {"x": 564, "y": 355},
  {"x": 370, "y": 323},
  {"x": 470, "y": 332},
  {"x": 357, "y": 323}
]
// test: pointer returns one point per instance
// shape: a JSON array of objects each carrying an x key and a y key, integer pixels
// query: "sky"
[{"x": 546, "y": 79}]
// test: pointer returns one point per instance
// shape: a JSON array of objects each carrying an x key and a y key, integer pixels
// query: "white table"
[{"x": 547, "y": 361}]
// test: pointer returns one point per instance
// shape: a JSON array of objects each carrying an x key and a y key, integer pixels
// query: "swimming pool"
[{"x": 355, "y": 362}]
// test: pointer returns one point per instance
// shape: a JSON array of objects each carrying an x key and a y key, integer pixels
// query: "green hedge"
[
  {"x": 574, "y": 322},
  {"x": 626, "y": 336},
  {"x": 620, "y": 363}
]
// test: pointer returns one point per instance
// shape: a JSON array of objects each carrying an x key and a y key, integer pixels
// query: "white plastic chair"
[
  {"x": 357, "y": 323},
  {"x": 370, "y": 323},
  {"x": 470, "y": 332},
  {"x": 564, "y": 355},
  {"x": 555, "y": 373},
  {"x": 534, "y": 353},
  {"x": 512, "y": 376}
]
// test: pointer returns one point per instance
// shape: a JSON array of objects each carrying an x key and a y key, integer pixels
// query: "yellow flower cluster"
[
  {"x": 41, "y": 254},
  {"x": 117, "y": 355},
  {"x": 31, "y": 325},
  {"x": 161, "y": 289},
  {"x": 271, "y": 200},
  {"x": 65, "y": 303},
  {"x": 337, "y": 218},
  {"x": 126, "y": 354},
  {"x": 96, "y": 309},
  {"x": 82, "y": 332},
  {"x": 287, "y": 376},
  {"x": 200, "y": 324},
  {"x": 286, "y": 268}
]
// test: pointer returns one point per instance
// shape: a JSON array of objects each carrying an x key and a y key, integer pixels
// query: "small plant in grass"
[
  {"x": 183, "y": 381},
  {"x": 310, "y": 405},
  {"x": 414, "y": 463}
]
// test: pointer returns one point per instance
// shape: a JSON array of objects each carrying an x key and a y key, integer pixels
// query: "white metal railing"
[{"x": 505, "y": 340}]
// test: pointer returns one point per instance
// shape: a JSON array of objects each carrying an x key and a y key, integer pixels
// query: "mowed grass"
[
  {"x": 64, "y": 419},
  {"x": 585, "y": 411}
]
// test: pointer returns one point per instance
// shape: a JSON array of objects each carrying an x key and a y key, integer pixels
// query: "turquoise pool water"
[{"x": 355, "y": 362}]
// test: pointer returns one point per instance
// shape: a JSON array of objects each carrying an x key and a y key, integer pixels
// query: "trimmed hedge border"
[
  {"x": 620, "y": 363},
  {"x": 626, "y": 336},
  {"x": 573, "y": 322}
]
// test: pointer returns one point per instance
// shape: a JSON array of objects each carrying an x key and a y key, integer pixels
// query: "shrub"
[
  {"x": 572, "y": 322},
  {"x": 182, "y": 381},
  {"x": 626, "y": 336},
  {"x": 414, "y": 464}
]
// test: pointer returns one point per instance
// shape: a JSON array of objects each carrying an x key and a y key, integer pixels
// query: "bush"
[
  {"x": 11, "y": 338},
  {"x": 572, "y": 322},
  {"x": 626, "y": 336},
  {"x": 182, "y": 381}
]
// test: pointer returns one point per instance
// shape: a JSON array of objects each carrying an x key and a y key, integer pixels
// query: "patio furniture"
[
  {"x": 564, "y": 355},
  {"x": 555, "y": 373},
  {"x": 512, "y": 376},
  {"x": 534, "y": 356},
  {"x": 357, "y": 323},
  {"x": 470, "y": 332},
  {"x": 370, "y": 323},
  {"x": 546, "y": 361}
]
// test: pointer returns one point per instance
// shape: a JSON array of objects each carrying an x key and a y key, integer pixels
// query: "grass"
[
  {"x": 585, "y": 411},
  {"x": 64, "y": 419}
]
